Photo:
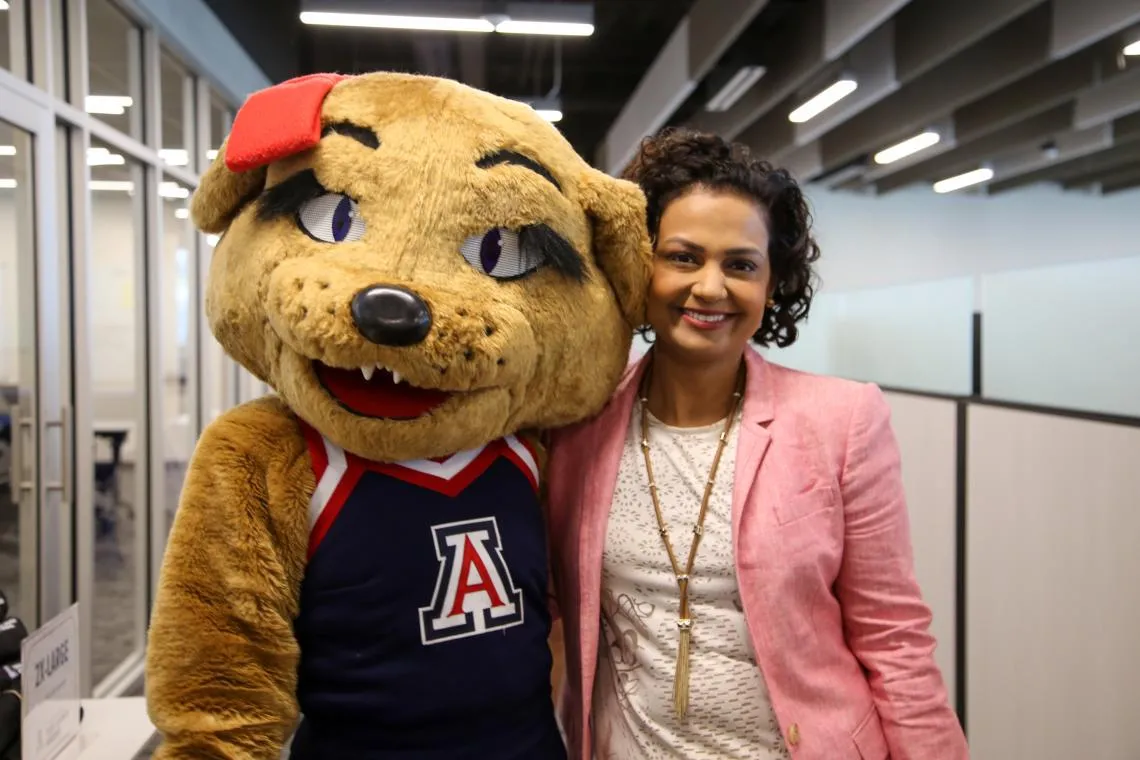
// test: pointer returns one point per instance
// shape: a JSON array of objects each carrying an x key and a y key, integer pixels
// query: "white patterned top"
[{"x": 729, "y": 716}]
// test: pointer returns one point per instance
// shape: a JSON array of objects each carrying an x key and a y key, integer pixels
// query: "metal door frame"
[{"x": 46, "y": 520}]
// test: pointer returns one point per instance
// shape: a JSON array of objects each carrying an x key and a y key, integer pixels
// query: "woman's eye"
[
  {"x": 502, "y": 254},
  {"x": 332, "y": 218}
]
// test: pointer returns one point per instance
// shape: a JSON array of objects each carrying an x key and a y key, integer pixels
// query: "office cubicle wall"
[
  {"x": 1025, "y": 524},
  {"x": 926, "y": 430},
  {"x": 1052, "y": 586}
]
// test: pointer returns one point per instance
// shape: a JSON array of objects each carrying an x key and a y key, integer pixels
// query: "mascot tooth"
[{"x": 428, "y": 276}]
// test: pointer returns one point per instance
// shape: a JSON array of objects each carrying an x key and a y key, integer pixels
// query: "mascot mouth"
[{"x": 378, "y": 392}]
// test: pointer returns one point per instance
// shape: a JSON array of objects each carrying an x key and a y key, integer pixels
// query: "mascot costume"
[{"x": 425, "y": 274}]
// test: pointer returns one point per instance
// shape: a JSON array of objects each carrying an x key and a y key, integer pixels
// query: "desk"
[{"x": 112, "y": 729}]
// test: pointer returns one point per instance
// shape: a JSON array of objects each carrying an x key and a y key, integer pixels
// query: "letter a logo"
[{"x": 474, "y": 593}]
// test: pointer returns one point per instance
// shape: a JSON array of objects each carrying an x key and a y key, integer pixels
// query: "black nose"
[{"x": 391, "y": 316}]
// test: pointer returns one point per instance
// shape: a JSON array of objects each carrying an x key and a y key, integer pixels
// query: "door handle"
[
  {"x": 20, "y": 424},
  {"x": 65, "y": 432}
]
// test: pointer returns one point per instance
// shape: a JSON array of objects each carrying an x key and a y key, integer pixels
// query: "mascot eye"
[
  {"x": 332, "y": 218},
  {"x": 502, "y": 254}
]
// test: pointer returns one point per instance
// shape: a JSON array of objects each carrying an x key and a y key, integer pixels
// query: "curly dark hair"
[{"x": 676, "y": 161}]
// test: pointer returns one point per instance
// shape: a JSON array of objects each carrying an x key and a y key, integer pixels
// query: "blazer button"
[{"x": 793, "y": 734}]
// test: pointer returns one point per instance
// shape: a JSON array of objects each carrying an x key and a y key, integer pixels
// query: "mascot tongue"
[{"x": 380, "y": 396}]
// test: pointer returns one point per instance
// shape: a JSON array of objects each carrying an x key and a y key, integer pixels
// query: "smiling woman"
[{"x": 719, "y": 501}]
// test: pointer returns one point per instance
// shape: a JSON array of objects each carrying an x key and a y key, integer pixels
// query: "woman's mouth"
[
  {"x": 378, "y": 392},
  {"x": 706, "y": 320}
]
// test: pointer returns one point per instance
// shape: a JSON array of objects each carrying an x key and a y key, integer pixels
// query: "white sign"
[{"x": 51, "y": 687}]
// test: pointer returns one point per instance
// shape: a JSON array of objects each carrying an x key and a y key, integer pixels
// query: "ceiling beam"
[
  {"x": 1079, "y": 23},
  {"x": 829, "y": 36},
  {"x": 1118, "y": 96},
  {"x": 792, "y": 58},
  {"x": 1045, "y": 88},
  {"x": 1122, "y": 183},
  {"x": 872, "y": 62},
  {"x": 699, "y": 41},
  {"x": 1099, "y": 161},
  {"x": 923, "y": 35},
  {"x": 1003, "y": 115},
  {"x": 1113, "y": 176},
  {"x": 847, "y": 23},
  {"x": 967, "y": 157},
  {"x": 931, "y": 32},
  {"x": 1013, "y": 52}
]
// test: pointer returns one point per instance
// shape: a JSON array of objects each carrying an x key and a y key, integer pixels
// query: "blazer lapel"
[
  {"x": 754, "y": 439},
  {"x": 605, "y": 449}
]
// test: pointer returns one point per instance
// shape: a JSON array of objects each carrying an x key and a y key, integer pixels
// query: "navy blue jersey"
[{"x": 424, "y": 622}]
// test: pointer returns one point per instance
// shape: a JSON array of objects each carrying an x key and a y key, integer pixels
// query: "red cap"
[{"x": 279, "y": 121}]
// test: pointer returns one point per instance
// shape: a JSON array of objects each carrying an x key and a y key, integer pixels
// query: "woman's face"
[{"x": 711, "y": 276}]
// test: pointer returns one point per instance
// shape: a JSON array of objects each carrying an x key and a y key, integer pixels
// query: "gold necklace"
[{"x": 685, "y": 618}]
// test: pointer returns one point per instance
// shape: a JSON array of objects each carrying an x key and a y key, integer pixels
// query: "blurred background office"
[{"x": 974, "y": 167}]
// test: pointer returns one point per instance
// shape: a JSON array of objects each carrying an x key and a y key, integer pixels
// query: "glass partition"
[
  {"x": 117, "y": 228},
  {"x": 177, "y": 109},
  {"x": 114, "y": 66},
  {"x": 914, "y": 336},
  {"x": 1064, "y": 336}
]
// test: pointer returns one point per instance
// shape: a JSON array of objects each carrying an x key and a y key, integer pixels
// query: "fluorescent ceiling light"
[
  {"x": 211, "y": 155},
  {"x": 181, "y": 213},
  {"x": 964, "y": 180},
  {"x": 823, "y": 101},
  {"x": 557, "y": 28},
  {"x": 734, "y": 88},
  {"x": 3, "y": 5},
  {"x": 380, "y": 21},
  {"x": 114, "y": 186},
  {"x": 103, "y": 157},
  {"x": 7, "y": 184},
  {"x": 109, "y": 105},
  {"x": 7, "y": 150},
  {"x": 549, "y": 114},
  {"x": 175, "y": 156},
  {"x": 1133, "y": 49},
  {"x": 173, "y": 190},
  {"x": 212, "y": 240},
  {"x": 908, "y": 148}
]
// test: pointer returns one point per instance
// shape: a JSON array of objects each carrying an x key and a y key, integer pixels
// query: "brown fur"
[{"x": 539, "y": 352}]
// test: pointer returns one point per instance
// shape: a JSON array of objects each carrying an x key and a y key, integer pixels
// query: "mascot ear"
[
  {"x": 274, "y": 123},
  {"x": 622, "y": 247},
  {"x": 222, "y": 193}
]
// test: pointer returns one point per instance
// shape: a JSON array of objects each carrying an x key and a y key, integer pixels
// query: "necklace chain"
[{"x": 685, "y": 617}]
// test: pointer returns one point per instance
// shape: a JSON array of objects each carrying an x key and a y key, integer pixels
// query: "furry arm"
[{"x": 222, "y": 658}]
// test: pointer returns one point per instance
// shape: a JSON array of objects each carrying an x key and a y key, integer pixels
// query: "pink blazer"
[{"x": 823, "y": 561}]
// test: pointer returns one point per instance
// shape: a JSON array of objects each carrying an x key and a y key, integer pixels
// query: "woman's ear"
[
  {"x": 223, "y": 193},
  {"x": 622, "y": 249}
]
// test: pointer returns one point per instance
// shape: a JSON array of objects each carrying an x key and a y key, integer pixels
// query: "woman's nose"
[{"x": 710, "y": 284}]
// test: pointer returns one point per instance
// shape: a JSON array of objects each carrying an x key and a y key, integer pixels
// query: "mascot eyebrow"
[
  {"x": 362, "y": 135},
  {"x": 518, "y": 159}
]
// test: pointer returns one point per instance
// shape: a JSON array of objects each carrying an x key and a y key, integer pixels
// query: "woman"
[{"x": 740, "y": 585}]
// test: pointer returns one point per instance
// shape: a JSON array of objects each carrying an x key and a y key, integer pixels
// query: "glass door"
[{"x": 35, "y": 426}]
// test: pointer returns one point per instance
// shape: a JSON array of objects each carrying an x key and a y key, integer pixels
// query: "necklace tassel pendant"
[{"x": 681, "y": 678}]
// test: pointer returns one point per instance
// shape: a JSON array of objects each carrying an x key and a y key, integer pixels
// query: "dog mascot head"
[{"x": 418, "y": 267}]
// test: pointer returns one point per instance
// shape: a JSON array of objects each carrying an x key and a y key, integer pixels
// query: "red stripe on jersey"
[
  {"x": 448, "y": 487},
  {"x": 339, "y": 496}
]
